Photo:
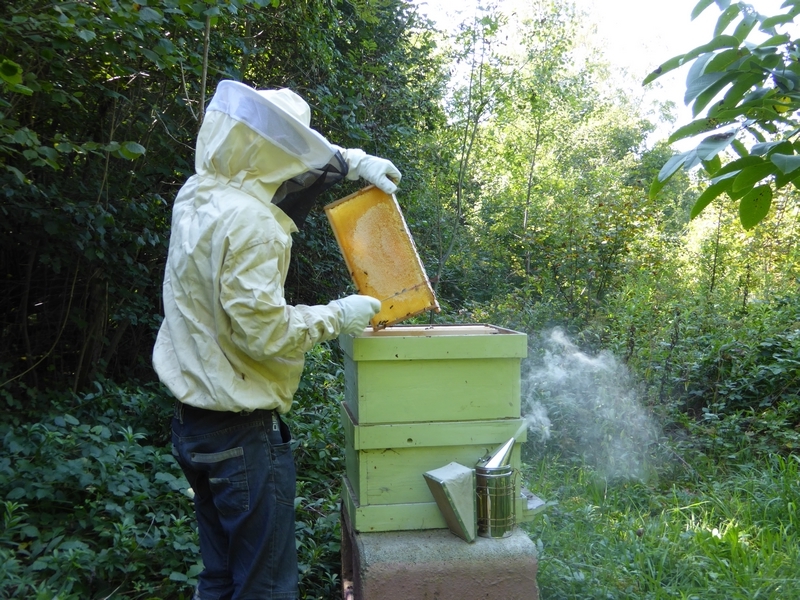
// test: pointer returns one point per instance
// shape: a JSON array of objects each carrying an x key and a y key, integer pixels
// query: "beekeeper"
[{"x": 230, "y": 349}]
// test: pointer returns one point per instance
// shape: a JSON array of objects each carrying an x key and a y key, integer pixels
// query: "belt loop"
[{"x": 179, "y": 411}]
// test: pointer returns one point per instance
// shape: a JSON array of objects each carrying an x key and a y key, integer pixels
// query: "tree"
[
  {"x": 100, "y": 102},
  {"x": 552, "y": 192},
  {"x": 750, "y": 92}
]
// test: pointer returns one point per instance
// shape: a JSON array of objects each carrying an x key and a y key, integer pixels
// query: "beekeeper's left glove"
[{"x": 378, "y": 171}]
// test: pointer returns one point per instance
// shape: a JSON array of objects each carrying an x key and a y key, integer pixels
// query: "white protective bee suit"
[
  {"x": 229, "y": 341},
  {"x": 230, "y": 349}
]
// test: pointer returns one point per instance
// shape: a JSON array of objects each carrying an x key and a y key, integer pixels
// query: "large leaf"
[
  {"x": 669, "y": 169},
  {"x": 698, "y": 67},
  {"x": 131, "y": 150},
  {"x": 771, "y": 22},
  {"x": 696, "y": 127},
  {"x": 18, "y": 174},
  {"x": 150, "y": 15},
  {"x": 754, "y": 206},
  {"x": 776, "y": 40},
  {"x": 712, "y": 166},
  {"x": 86, "y": 35},
  {"x": 738, "y": 164},
  {"x": 672, "y": 165},
  {"x": 739, "y": 148},
  {"x": 743, "y": 29},
  {"x": 708, "y": 195},
  {"x": 752, "y": 175},
  {"x": 726, "y": 18},
  {"x": 755, "y": 97},
  {"x": 765, "y": 148},
  {"x": 726, "y": 60},
  {"x": 10, "y": 71},
  {"x": 714, "y": 144},
  {"x": 700, "y": 7},
  {"x": 711, "y": 92},
  {"x": 787, "y": 163},
  {"x": 721, "y": 41},
  {"x": 671, "y": 64},
  {"x": 785, "y": 79},
  {"x": 735, "y": 94},
  {"x": 782, "y": 180},
  {"x": 703, "y": 83}
]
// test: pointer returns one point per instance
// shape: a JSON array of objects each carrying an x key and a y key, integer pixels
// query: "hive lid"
[
  {"x": 453, "y": 488},
  {"x": 380, "y": 255}
]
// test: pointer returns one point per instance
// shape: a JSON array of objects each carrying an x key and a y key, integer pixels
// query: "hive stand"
[{"x": 434, "y": 564}]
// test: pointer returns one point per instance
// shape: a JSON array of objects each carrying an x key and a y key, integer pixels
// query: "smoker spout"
[{"x": 500, "y": 458}]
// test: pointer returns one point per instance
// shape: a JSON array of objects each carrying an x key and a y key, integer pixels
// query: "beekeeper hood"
[{"x": 261, "y": 141}]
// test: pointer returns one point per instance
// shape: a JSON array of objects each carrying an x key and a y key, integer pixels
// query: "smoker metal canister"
[{"x": 495, "y": 493}]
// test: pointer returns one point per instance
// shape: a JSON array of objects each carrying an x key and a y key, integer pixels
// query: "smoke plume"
[{"x": 587, "y": 406}]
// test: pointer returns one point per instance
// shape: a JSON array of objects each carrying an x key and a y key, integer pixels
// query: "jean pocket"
[
  {"x": 283, "y": 469},
  {"x": 227, "y": 479}
]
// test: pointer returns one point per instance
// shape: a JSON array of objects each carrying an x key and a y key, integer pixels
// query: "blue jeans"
[{"x": 241, "y": 469}]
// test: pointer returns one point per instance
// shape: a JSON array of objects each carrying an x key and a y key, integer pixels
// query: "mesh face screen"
[{"x": 278, "y": 126}]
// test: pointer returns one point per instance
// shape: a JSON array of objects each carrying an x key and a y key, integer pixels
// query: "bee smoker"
[{"x": 494, "y": 478}]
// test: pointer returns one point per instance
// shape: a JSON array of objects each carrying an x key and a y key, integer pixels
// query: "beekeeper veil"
[{"x": 283, "y": 118}]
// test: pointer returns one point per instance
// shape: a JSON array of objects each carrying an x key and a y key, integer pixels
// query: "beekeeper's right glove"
[{"x": 356, "y": 312}]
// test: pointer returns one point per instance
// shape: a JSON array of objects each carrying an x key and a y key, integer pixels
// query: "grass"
[{"x": 713, "y": 531}]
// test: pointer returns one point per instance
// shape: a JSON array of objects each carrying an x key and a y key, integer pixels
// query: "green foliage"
[
  {"x": 319, "y": 458},
  {"x": 749, "y": 93},
  {"x": 93, "y": 504},
  {"x": 745, "y": 389},
  {"x": 99, "y": 106},
  {"x": 531, "y": 231}
]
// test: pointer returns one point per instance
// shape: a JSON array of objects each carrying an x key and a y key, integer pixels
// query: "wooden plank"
[
  {"x": 353, "y": 466},
  {"x": 432, "y": 433},
  {"x": 456, "y": 433},
  {"x": 394, "y": 517},
  {"x": 435, "y": 390},
  {"x": 385, "y": 463},
  {"x": 434, "y": 343}
]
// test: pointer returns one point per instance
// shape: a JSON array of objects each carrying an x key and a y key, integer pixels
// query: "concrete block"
[{"x": 434, "y": 564}]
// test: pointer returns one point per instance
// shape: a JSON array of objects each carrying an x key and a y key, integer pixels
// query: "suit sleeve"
[{"x": 262, "y": 325}]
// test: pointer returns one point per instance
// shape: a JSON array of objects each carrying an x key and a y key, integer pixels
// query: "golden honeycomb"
[{"x": 380, "y": 254}]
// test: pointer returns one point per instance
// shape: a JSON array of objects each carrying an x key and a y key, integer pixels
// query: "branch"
[
  {"x": 58, "y": 337},
  {"x": 206, "y": 38}
]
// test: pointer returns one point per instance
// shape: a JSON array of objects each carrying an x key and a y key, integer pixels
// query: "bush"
[
  {"x": 91, "y": 507},
  {"x": 319, "y": 458},
  {"x": 95, "y": 503}
]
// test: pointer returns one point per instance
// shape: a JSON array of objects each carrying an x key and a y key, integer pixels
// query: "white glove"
[
  {"x": 357, "y": 310},
  {"x": 378, "y": 171}
]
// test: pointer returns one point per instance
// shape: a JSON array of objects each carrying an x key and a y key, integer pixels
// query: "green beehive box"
[
  {"x": 417, "y": 398},
  {"x": 384, "y": 486},
  {"x": 437, "y": 373}
]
